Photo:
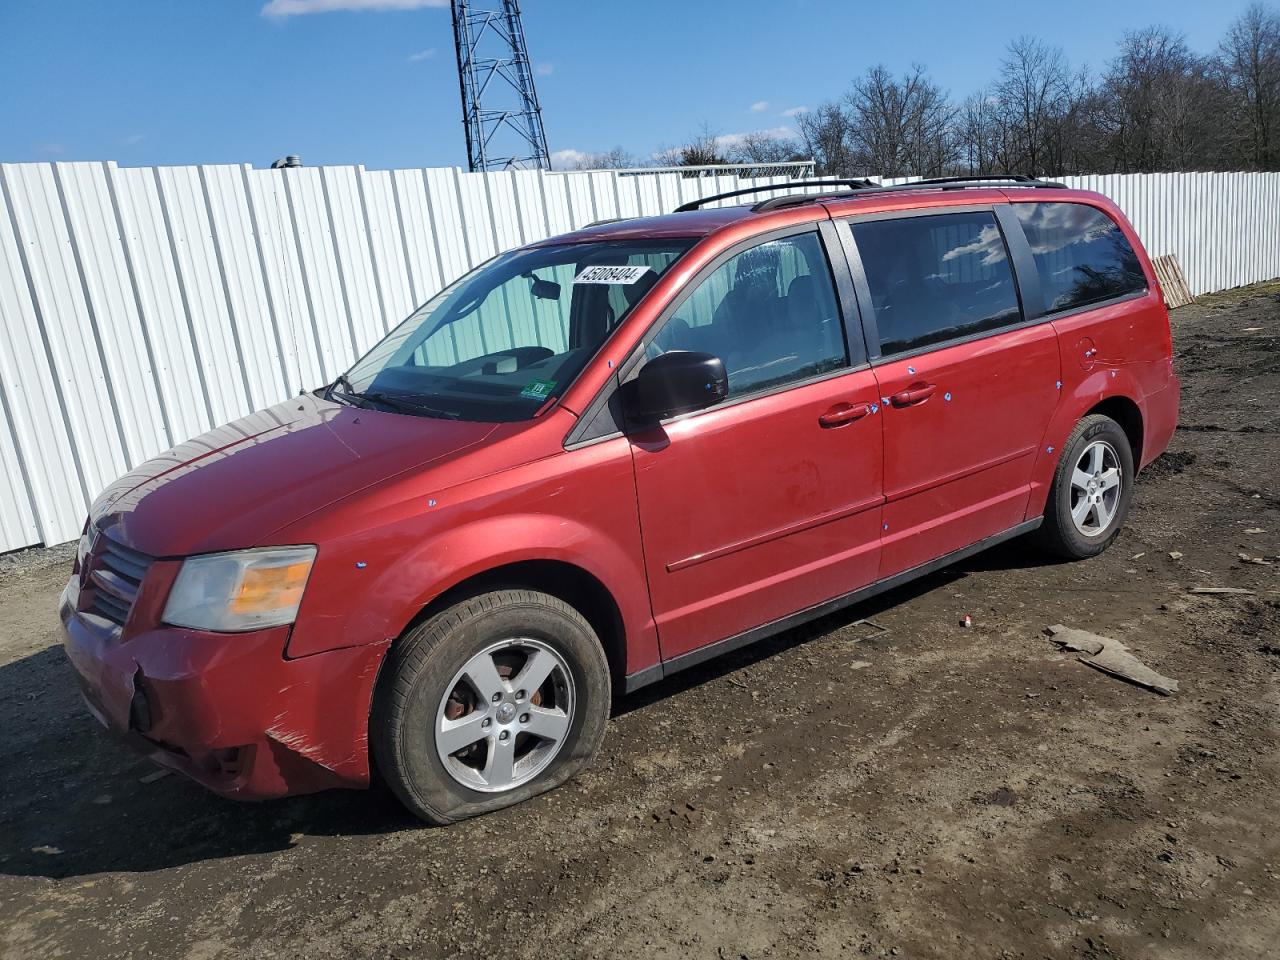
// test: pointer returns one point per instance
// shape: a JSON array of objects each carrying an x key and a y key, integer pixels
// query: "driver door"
[{"x": 770, "y": 502}]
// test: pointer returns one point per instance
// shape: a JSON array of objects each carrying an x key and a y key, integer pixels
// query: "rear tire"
[
  {"x": 1091, "y": 490},
  {"x": 454, "y": 731}
]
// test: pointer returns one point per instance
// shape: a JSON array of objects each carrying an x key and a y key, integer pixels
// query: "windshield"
[{"x": 499, "y": 343}]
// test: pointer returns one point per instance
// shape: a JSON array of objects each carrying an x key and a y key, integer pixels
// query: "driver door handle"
[
  {"x": 916, "y": 393},
  {"x": 843, "y": 413}
]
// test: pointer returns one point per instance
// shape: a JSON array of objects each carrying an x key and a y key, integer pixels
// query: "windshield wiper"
[
  {"x": 368, "y": 399},
  {"x": 410, "y": 406},
  {"x": 349, "y": 393}
]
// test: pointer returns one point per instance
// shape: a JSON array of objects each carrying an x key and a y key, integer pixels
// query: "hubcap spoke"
[
  {"x": 1095, "y": 458},
  {"x": 483, "y": 674},
  {"x": 1080, "y": 479},
  {"x": 1081, "y": 511},
  {"x": 500, "y": 766},
  {"x": 548, "y": 724},
  {"x": 463, "y": 732},
  {"x": 536, "y": 670},
  {"x": 1110, "y": 478}
]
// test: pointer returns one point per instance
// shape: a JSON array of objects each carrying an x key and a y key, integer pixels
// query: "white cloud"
[
  {"x": 294, "y": 8},
  {"x": 793, "y": 111},
  {"x": 53, "y": 149},
  {"x": 728, "y": 141},
  {"x": 545, "y": 69},
  {"x": 132, "y": 140},
  {"x": 567, "y": 159},
  {"x": 426, "y": 54},
  {"x": 760, "y": 106}
]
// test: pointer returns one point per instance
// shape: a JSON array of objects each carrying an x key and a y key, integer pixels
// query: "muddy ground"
[{"x": 926, "y": 791}]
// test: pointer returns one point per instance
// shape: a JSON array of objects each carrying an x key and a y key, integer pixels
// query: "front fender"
[{"x": 386, "y": 555}]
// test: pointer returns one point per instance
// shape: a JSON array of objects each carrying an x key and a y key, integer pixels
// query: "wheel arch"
[
  {"x": 566, "y": 581},
  {"x": 1128, "y": 414}
]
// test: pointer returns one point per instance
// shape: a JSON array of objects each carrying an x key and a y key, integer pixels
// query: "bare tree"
[
  {"x": 1035, "y": 92},
  {"x": 616, "y": 159},
  {"x": 826, "y": 134},
  {"x": 901, "y": 126},
  {"x": 764, "y": 147},
  {"x": 702, "y": 149},
  {"x": 1250, "y": 64},
  {"x": 978, "y": 131},
  {"x": 1157, "y": 107}
]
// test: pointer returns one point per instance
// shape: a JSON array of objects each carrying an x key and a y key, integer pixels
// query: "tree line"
[{"x": 1155, "y": 106}]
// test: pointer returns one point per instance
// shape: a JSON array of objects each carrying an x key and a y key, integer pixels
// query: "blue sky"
[{"x": 374, "y": 81}]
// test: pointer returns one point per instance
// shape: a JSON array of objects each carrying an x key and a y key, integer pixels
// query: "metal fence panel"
[{"x": 142, "y": 306}]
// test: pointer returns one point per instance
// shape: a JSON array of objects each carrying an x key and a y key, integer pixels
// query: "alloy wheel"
[
  {"x": 1096, "y": 485},
  {"x": 505, "y": 715}
]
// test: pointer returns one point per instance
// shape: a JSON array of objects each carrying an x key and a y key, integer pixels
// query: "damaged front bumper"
[{"x": 228, "y": 710}]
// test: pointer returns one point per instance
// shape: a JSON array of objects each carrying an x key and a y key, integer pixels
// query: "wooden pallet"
[{"x": 1177, "y": 293}]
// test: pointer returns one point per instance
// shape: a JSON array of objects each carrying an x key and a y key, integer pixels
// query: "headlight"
[{"x": 241, "y": 590}]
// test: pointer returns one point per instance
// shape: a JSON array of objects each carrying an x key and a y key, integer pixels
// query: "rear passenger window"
[
  {"x": 769, "y": 313},
  {"x": 936, "y": 278},
  {"x": 1081, "y": 255}
]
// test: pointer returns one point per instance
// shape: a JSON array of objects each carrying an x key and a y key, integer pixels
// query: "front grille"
[{"x": 115, "y": 575}]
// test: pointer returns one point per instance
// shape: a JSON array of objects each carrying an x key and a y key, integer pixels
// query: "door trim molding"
[
  {"x": 658, "y": 671},
  {"x": 777, "y": 533},
  {"x": 905, "y": 492}
]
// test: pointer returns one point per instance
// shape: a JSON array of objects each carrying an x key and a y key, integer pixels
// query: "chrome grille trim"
[{"x": 115, "y": 576}]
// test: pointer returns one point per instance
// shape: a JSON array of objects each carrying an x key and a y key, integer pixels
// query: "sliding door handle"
[{"x": 916, "y": 393}]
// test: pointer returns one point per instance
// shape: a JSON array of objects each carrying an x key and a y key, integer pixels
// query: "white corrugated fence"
[{"x": 140, "y": 306}]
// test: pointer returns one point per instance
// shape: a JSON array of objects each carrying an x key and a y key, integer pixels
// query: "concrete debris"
[
  {"x": 1252, "y": 531},
  {"x": 1245, "y": 558},
  {"x": 1111, "y": 657},
  {"x": 1222, "y": 591},
  {"x": 1175, "y": 555}
]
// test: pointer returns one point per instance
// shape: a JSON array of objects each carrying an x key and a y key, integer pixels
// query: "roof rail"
[
  {"x": 789, "y": 185},
  {"x": 933, "y": 183}
]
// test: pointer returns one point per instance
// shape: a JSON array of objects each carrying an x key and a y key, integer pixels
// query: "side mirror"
[{"x": 678, "y": 382}]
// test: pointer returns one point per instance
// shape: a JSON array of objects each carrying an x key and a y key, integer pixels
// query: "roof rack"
[
  {"x": 790, "y": 184},
  {"x": 932, "y": 183}
]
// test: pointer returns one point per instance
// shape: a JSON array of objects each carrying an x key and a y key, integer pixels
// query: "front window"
[{"x": 497, "y": 344}]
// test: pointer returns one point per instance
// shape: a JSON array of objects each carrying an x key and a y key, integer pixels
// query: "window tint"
[
  {"x": 1081, "y": 254},
  {"x": 769, "y": 313},
  {"x": 934, "y": 278}
]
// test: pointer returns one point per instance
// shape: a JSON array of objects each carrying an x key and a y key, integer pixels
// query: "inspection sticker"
[
  {"x": 538, "y": 389},
  {"x": 623, "y": 275}
]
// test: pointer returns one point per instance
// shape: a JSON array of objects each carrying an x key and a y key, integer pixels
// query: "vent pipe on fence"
[{"x": 285, "y": 163}]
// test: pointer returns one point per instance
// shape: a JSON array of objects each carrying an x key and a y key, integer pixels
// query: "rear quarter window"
[{"x": 1081, "y": 254}]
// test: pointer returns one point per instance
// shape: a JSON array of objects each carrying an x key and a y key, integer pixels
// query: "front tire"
[
  {"x": 1092, "y": 487},
  {"x": 493, "y": 701}
]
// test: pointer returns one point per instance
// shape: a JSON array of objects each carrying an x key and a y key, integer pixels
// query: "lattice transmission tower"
[{"x": 500, "y": 110}]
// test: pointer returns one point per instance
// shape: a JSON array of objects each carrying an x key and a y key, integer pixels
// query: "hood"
[{"x": 234, "y": 486}]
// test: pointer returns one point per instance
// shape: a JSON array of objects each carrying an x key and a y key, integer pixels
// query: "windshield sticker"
[
  {"x": 614, "y": 275},
  {"x": 538, "y": 389}
]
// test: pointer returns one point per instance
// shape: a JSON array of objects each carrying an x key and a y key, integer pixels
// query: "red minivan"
[{"x": 601, "y": 458}]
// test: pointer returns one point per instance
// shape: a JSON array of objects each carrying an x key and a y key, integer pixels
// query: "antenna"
[{"x": 508, "y": 134}]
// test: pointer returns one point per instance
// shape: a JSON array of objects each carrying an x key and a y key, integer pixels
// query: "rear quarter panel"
[{"x": 1122, "y": 349}]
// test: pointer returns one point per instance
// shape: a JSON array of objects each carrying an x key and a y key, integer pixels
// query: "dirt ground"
[{"x": 926, "y": 791}]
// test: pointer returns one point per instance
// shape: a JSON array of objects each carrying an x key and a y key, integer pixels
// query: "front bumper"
[{"x": 229, "y": 711}]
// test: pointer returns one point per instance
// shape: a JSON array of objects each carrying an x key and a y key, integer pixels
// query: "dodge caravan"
[{"x": 604, "y": 457}]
